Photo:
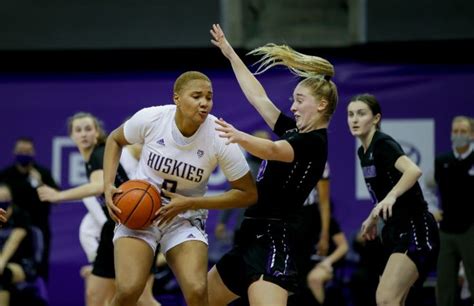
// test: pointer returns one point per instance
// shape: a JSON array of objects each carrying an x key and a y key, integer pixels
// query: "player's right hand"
[
  {"x": 220, "y": 41},
  {"x": 109, "y": 192}
]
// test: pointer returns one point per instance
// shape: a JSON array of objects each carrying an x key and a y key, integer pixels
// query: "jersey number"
[{"x": 169, "y": 185}]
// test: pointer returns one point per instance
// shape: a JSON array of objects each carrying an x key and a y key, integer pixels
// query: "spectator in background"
[
  {"x": 323, "y": 271},
  {"x": 365, "y": 278},
  {"x": 17, "y": 262},
  {"x": 454, "y": 175},
  {"x": 23, "y": 177},
  {"x": 3, "y": 216},
  {"x": 318, "y": 204},
  {"x": 317, "y": 270}
]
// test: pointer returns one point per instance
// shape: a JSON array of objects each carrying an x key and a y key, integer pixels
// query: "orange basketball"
[{"x": 138, "y": 202}]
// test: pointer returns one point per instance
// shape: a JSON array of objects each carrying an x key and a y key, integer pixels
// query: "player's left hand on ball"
[{"x": 176, "y": 205}]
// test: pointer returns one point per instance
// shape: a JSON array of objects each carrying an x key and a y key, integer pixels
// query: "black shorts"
[
  {"x": 30, "y": 268},
  {"x": 104, "y": 260},
  {"x": 419, "y": 239},
  {"x": 262, "y": 249}
]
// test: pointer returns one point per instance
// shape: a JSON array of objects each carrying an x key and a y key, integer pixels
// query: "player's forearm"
[
  {"x": 407, "y": 180},
  {"x": 80, "y": 192},
  {"x": 112, "y": 154},
  {"x": 254, "y": 91},
  {"x": 233, "y": 198}
]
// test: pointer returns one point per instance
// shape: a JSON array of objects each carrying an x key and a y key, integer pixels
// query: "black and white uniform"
[
  {"x": 182, "y": 165},
  {"x": 264, "y": 246},
  {"x": 104, "y": 260},
  {"x": 411, "y": 229},
  {"x": 93, "y": 221}
]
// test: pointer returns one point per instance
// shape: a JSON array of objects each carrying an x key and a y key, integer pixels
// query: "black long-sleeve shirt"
[{"x": 455, "y": 179}]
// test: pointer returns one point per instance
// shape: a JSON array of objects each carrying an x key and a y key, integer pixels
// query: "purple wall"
[{"x": 38, "y": 105}]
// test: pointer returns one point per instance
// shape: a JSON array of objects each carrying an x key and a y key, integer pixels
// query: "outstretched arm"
[
  {"x": 251, "y": 87},
  {"x": 94, "y": 187},
  {"x": 279, "y": 150}
]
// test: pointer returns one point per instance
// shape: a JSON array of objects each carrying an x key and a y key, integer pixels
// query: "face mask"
[
  {"x": 460, "y": 141},
  {"x": 24, "y": 160},
  {"x": 4, "y": 204}
]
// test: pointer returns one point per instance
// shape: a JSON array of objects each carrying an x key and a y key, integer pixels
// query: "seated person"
[
  {"x": 316, "y": 270},
  {"x": 365, "y": 277},
  {"x": 17, "y": 263},
  {"x": 322, "y": 272}
]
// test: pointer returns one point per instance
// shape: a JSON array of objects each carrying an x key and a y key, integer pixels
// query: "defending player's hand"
[
  {"x": 228, "y": 131},
  {"x": 109, "y": 194},
  {"x": 177, "y": 205},
  {"x": 220, "y": 41}
]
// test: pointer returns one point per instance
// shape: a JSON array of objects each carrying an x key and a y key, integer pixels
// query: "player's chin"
[
  {"x": 356, "y": 133},
  {"x": 203, "y": 116}
]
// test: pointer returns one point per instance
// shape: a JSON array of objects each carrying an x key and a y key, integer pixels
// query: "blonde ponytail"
[{"x": 303, "y": 65}]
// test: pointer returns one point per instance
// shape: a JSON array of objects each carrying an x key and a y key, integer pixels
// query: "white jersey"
[
  {"x": 179, "y": 164},
  {"x": 129, "y": 163}
]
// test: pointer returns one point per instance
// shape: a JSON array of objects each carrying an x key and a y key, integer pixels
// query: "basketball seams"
[
  {"x": 137, "y": 204},
  {"x": 137, "y": 193},
  {"x": 140, "y": 202}
]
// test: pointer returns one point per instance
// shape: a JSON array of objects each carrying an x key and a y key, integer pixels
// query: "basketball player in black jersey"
[
  {"x": 261, "y": 264},
  {"x": 87, "y": 133},
  {"x": 400, "y": 217}
]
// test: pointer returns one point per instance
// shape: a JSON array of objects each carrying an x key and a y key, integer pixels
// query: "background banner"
[{"x": 418, "y": 104}]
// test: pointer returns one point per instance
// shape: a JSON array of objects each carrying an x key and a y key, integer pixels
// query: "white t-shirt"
[{"x": 177, "y": 163}]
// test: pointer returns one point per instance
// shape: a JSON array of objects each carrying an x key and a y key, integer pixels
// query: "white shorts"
[
  {"x": 89, "y": 236},
  {"x": 177, "y": 232}
]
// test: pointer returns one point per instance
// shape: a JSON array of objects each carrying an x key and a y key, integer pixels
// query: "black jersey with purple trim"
[
  {"x": 96, "y": 162},
  {"x": 283, "y": 187},
  {"x": 380, "y": 174}
]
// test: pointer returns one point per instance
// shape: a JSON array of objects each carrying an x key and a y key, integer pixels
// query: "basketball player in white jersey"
[{"x": 181, "y": 149}]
